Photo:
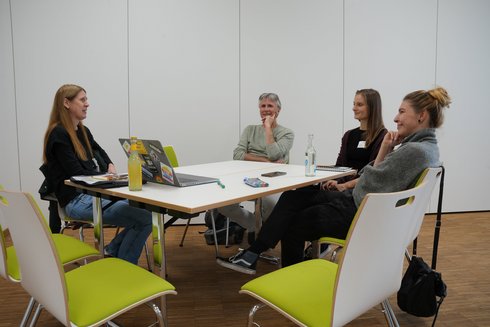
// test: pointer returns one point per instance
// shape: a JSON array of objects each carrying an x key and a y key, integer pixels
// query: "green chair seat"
[
  {"x": 332, "y": 240},
  {"x": 315, "y": 293},
  {"x": 106, "y": 287},
  {"x": 13, "y": 264},
  {"x": 69, "y": 249}
]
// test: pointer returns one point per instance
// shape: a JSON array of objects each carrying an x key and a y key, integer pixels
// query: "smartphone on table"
[{"x": 274, "y": 174}]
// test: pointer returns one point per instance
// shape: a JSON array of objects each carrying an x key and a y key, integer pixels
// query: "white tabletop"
[{"x": 195, "y": 199}]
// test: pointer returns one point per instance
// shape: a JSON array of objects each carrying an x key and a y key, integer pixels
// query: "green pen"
[{"x": 220, "y": 184}]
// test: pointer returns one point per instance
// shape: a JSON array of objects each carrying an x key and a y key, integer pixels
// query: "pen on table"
[{"x": 220, "y": 184}]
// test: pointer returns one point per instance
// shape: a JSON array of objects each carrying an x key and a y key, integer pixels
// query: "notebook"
[
  {"x": 338, "y": 169},
  {"x": 157, "y": 168}
]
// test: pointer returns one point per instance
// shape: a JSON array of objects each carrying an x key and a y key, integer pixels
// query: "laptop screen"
[
  {"x": 157, "y": 168},
  {"x": 155, "y": 164}
]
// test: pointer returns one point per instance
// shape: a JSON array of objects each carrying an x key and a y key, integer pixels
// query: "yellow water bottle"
[{"x": 134, "y": 167}]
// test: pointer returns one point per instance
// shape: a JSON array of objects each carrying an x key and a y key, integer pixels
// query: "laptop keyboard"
[{"x": 186, "y": 180}]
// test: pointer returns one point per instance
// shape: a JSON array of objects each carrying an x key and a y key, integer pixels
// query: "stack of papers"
[
  {"x": 339, "y": 169},
  {"x": 98, "y": 180}
]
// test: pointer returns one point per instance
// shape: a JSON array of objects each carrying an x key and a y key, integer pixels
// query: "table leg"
[
  {"x": 258, "y": 215},
  {"x": 98, "y": 231},
  {"x": 213, "y": 216},
  {"x": 159, "y": 258}
]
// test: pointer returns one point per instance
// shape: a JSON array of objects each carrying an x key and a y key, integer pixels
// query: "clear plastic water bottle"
[{"x": 310, "y": 158}]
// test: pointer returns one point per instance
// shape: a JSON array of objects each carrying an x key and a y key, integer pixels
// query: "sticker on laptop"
[
  {"x": 127, "y": 147},
  {"x": 167, "y": 173}
]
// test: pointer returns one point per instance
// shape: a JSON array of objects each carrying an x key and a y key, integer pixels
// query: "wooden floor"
[{"x": 208, "y": 294}]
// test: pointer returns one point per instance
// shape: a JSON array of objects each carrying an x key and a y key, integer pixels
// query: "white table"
[{"x": 195, "y": 199}]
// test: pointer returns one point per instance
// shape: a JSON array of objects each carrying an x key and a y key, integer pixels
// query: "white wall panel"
[
  {"x": 184, "y": 76},
  {"x": 389, "y": 46},
  {"x": 9, "y": 163},
  {"x": 58, "y": 42},
  {"x": 462, "y": 67},
  {"x": 189, "y": 73},
  {"x": 294, "y": 49}
]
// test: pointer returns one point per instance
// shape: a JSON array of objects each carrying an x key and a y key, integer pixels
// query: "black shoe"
[{"x": 244, "y": 262}]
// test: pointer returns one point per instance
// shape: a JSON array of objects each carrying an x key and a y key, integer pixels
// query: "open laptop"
[{"x": 157, "y": 168}]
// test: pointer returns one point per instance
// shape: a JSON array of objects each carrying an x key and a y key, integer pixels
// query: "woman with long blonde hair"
[{"x": 71, "y": 150}]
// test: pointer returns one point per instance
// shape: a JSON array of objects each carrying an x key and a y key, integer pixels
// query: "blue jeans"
[{"x": 127, "y": 245}]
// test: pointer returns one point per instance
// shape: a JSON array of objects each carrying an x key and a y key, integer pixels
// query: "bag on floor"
[
  {"x": 235, "y": 233},
  {"x": 422, "y": 290}
]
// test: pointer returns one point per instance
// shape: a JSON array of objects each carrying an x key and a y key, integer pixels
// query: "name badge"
[{"x": 362, "y": 144}]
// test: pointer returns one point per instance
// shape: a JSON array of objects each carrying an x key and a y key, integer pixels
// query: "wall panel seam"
[
  {"x": 15, "y": 94},
  {"x": 128, "y": 61},
  {"x": 436, "y": 43},
  {"x": 239, "y": 68}
]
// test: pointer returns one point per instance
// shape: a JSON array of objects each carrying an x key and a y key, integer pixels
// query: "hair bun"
[{"x": 441, "y": 96}]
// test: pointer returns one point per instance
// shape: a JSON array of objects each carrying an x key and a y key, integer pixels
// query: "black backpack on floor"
[{"x": 235, "y": 235}]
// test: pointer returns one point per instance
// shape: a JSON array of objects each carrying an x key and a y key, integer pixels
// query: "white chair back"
[
  {"x": 371, "y": 268},
  {"x": 42, "y": 273}
]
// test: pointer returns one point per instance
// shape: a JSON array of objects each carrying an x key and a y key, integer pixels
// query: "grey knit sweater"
[
  {"x": 401, "y": 167},
  {"x": 252, "y": 141}
]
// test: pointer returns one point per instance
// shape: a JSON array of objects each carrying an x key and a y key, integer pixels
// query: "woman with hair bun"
[{"x": 306, "y": 215}]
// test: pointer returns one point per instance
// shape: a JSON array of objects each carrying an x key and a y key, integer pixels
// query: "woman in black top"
[
  {"x": 360, "y": 145},
  {"x": 71, "y": 150}
]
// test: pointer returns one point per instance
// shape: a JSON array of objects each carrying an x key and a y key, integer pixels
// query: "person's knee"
[{"x": 145, "y": 220}]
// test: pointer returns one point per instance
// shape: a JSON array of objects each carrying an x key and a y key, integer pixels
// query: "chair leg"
[
  {"x": 315, "y": 249},
  {"x": 407, "y": 255},
  {"x": 227, "y": 238},
  {"x": 80, "y": 233},
  {"x": 213, "y": 223},
  {"x": 185, "y": 232},
  {"x": 161, "y": 321},
  {"x": 389, "y": 314},
  {"x": 36, "y": 315},
  {"x": 28, "y": 312},
  {"x": 148, "y": 260},
  {"x": 251, "y": 314},
  {"x": 334, "y": 254}
]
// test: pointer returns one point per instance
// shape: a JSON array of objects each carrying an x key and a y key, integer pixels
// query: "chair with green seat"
[
  {"x": 87, "y": 296},
  {"x": 69, "y": 249},
  {"x": 172, "y": 157},
  {"x": 323, "y": 293}
]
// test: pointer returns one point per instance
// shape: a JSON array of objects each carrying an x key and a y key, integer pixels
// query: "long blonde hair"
[{"x": 61, "y": 116}]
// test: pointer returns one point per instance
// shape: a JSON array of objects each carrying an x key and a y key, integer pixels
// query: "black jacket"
[{"x": 64, "y": 163}]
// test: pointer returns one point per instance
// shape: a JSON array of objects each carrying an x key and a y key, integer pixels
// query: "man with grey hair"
[{"x": 266, "y": 142}]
